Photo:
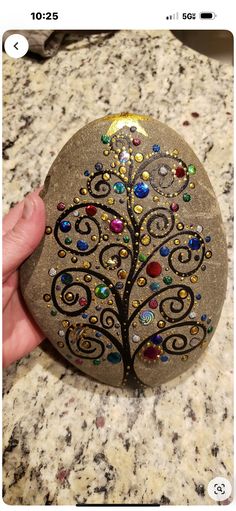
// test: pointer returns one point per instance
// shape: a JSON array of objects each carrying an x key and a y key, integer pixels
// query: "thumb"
[{"x": 26, "y": 234}]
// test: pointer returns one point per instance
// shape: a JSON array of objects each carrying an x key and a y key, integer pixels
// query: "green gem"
[
  {"x": 142, "y": 258},
  {"x": 97, "y": 361},
  {"x": 101, "y": 291},
  {"x": 119, "y": 187},
  {"x": 192, "y": 170},
  {"x": 53, "y": 312},
  {"x": 167, "y": 279},
  {"x": 210, "y": 329},
  {"x": 126, "y": 239},
  {"x": 105, "y": 139},
  {"x": 186, "y": 197},
  {"x": 68, "y": 241}
]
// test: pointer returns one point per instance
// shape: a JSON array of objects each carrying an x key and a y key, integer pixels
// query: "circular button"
[
  {"x": 16, "y": 46},
  {"x": 219, "y": 489}
]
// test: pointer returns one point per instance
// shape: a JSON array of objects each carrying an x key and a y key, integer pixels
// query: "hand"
[{"x": 23, "y": 228}]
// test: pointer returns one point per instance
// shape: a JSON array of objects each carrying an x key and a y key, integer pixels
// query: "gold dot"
[
  {"x": 192, "y": 186},
  {"x": 184, "y": 358},
  {"x": 76, "y": 200},
  {"x": 61, "y": 253},
  {"x": 176, "y": 242},
  {"x": 104, "y": 216},
  {"x": 122, "y": 170},
  {"x": 194, "y": 279},
  {"x": 86, "y": 344},
  {"x": 161, "y": 323},
  {"x": 47, "y": 297},
  {"x": 86, "y": 264},
  {"x": 110, "y": 302},
  {"x": 48, "y": 230},
  {"x": 105, "y": 237},
  {"x": 122, "y": 274},
  {"x": 110, "y": 201},
  {"x": 135, "y": 303},
  {"x": 60, "y": 344},
  {"x": 145, "y": 240},
  {"x": 106, "y": 176},
  {"x": 138, "y": 209},
  {"x": 155, "y": 198},
  {"x": 113, "y": 163},
  {"x": 194, "y": 330},
  {"x": 65, "y": 323},
  {"x": 93, "y": 237},
  {"x": 138, "y": 157},
  {"x": 208, "y": 254},
  {"x": 141, "y": 281},
  {"x": 74, "y": 259},
  {"x": 83, "y": 191},
  {"x": 106, "y": 152},
  {"x": 123, "y": 253},
  {"x": 180, "y": 226},
  {"x": 175, "y": 152},
  {"x": 183, "y": 293},
  {"x": 69, "y": 297},
  {"x": 87, "y": 278},
  {"x": 145, "y": 175},
  {"x": 93, "y": 319}
]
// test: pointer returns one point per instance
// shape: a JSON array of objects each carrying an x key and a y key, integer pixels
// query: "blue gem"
[
  {"x": 198, "y": 296},
  {"x": 114, "y": 357},
  {"x": 119, "y": 285},
  {"x": 65, "y": 226},
  {"x": 164, "y": 358},
  {"x": 194, "y": 243},
  {"x": 84, "y": 315},
  {"x": 98, "y": 334},
  {"x": 141, "y": 190},
  {"x": 164, "y": 251},
  {"x": 207, "y": 239},
  {"x": 119, "y": 187},
  {"x": 109, "y": 346},
  {"x": 82, "y": 245},
  {"x": 98, "y": 166},
  {"x": 156, "y": 148},
  {"x": 203, "y": 318},
  {"x": 86, "y": 172},
  {"x": 157, "y": 339},
  {"x": 66, "y": 278},
  {"x": 154, "y": 286}
]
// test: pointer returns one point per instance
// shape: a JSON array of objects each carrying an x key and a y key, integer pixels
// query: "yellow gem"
[
  {"x": 122, "y": 274},
  {"x": 74, "y": 259},
  {"x": 104, "y": 216},
  {"x": 138, "y": 157},
  {"x": 135, "y": 303},
  {"x": 69, "y": 297},
  {"x": 183, "y": 293},
  {"x": 83, "y": 191},
  {"x": 155, "y": 198},
  {"x": 112, "y": 263},
  {"x": 175, "y": 152},
  {"x": 106, "y": 152},
  {"x": 105, "y": 237},
  {"x": 86, "y": 264},
  {"x": 123, "y": 253},
  {"x": 145, "y": 175},
  {"x": 122, "y": 170},
  {"x": 176, "y": 242},
  {"x": 86, "y": 344},
  {"x": 138, "y": 209},
  {"x": 113, "y": 164},
  {"x": 48, "y": 229},
  {"x": 194, "y": 279},
  {"x": 192, "y": 185},
  {"x": 110, "y": 302},
  {"x": 93, "y": 237},
  {"x": 180, "y": 226},
  {"x": 194, "y": 330},
  {"x": 208, "y": 254},
  {"x": 76, "y": 200},
  {"x": 61, "y": 253},
  {"x": 87, "y": 278},
  {"x": 145, "y": 239},
  {"x": 141, "y": 281},
  {"x": 106, "y": 176},
  {"x": 110, "y": 201},
  {"x": 93, "y": 319},
  {"x": 65, "y": 323},
  {"x": 161, "y": 323}
]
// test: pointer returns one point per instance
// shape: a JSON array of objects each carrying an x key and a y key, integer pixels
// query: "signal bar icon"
[{"x": 173, "y": 16}]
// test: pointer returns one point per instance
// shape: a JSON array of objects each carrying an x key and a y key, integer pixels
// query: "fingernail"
[{"x": 28, "y": 208}]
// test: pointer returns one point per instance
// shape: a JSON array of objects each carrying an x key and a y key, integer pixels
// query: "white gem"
[
  {"x": 75, "y": 213},
  {"x": 52, "y": 272},
  {"x": 192, "y": 315},
  {"x": 61, "y": 333},
  {"x": 199, "y": 228},
  {"x": 135, "y": 338},
  {"x": 163, "y": 170},
  {"x": 123, "y": 156}
]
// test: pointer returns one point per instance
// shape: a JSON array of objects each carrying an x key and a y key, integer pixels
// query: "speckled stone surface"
[{"x": 67, "y": 439}]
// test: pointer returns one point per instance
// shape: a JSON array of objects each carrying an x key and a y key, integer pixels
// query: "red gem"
[
  {"x": 61, "y": 206},
  {"x": 83, "y": 301},
  {"x": 136, "y": 141},
  {"x": 91, "y": 210},
  {"x": 174, "y": 206},
  {"x": 153, "y": 304},
  {"x": 153, "y": 269},
  {"x": 150, "y": 353},
  {"x": 180, "y": 172}
]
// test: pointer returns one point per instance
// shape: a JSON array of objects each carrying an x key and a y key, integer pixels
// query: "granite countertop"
[{"x": 67, "y": 439}]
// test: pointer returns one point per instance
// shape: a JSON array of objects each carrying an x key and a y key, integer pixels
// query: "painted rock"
[{"x": 130, "y": 278}]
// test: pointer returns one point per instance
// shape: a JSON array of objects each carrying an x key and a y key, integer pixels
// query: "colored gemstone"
[
  {"x": 186, "y": 197},
  {"x": 116, "y": 225},
  {"x": 208, "y": 239},
  {"x": 150, "y": 353},
  {"x": 83, "y": 301},
  {"x": 66, "y": 278},
  {"x": 198, "y": 296},
  {"x": 174, "y": 207},
  {"x": 203, "y": 318},
  {"x": 146, "y": 317},
  {"x": 136, "y": 141},
  {"x": 91, "y": 210},
  {"x": 156, "y": 148},
  {"x": 97, "y": 361},
  {"x": 82, "y": 245},
  {"x": 210, "y": 329},
  {"x": 86, "y": 173},
  {"x": 164, "y": 358},
  {"x": 101, "y": 291},
  {"x": 141, "y": 190},
  {"x": 164, "y": 251},
  {"x": 114, "y": 357},
  {"x": 65, "y": 226},
  {"x": 192, "y": 170},
  {"x": 180, "y": 172},
  {"x": 98, "y": 166},
  {"x": 154, "y": 286},
  {"x": 142, "y": 258},
  {"x": 153, "y": 269},
  {"x": 153, "y": 304},
  {"x": 105, "y": 139},
  {"x": 194, "y": 243},
  {"x": 126, "y": 239},
  {"x": 119, "y": 187},
  {"x": 68, "y": 241},
  {"x": 157, "y": 339},
  {"x": 124, "y": 156},
  {"x": 61, "y": 206},
  {"x": 167, "y": 279}
]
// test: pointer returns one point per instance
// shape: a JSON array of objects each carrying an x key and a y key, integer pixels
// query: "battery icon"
[{"x": 207, "y": 15}]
